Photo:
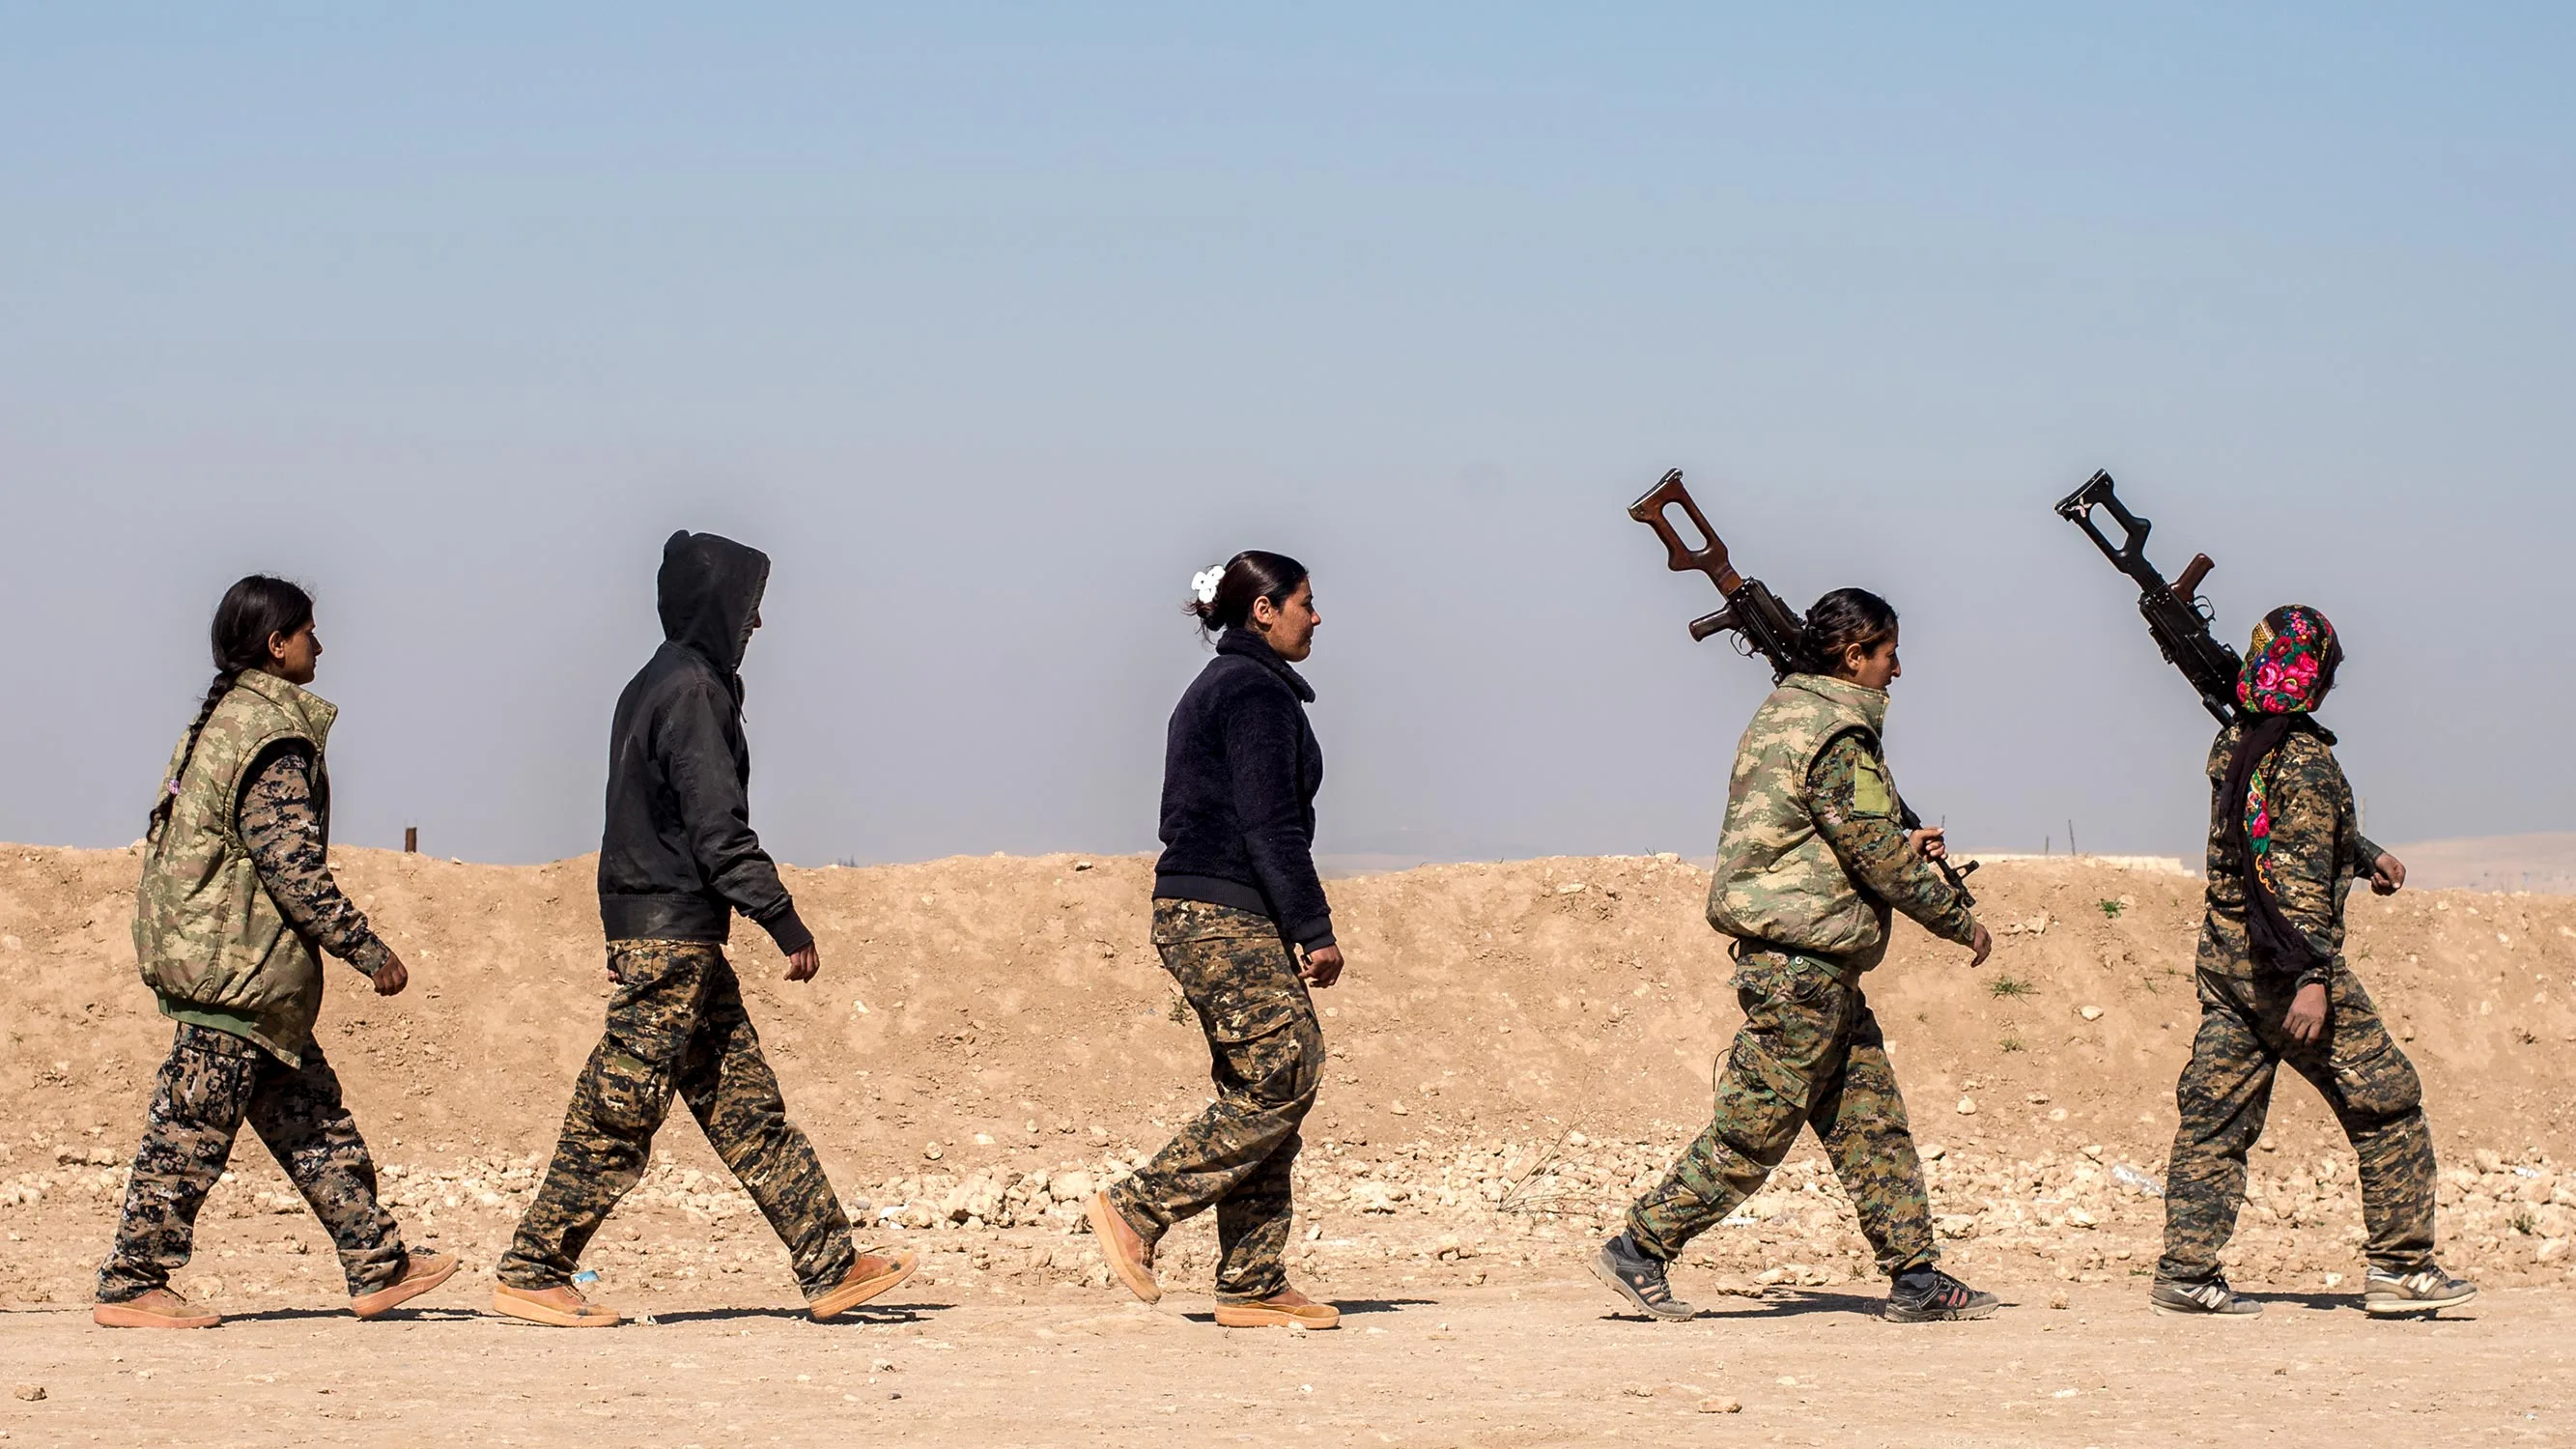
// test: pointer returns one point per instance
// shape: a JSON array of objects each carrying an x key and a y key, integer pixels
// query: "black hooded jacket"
[
  {"x": 678, "y": 857},
  {"x": 1240, "y": 772}
]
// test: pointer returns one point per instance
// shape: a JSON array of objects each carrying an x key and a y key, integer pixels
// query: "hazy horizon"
[{"x": 993, "y": 324}]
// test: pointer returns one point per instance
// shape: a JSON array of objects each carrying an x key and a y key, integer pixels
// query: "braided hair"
[
  {"x": 253, "y": 611},
  {"x": 1842, "y": 620}
]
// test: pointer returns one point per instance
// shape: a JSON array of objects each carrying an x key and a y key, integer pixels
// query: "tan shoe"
[
  {"x": 421, "y": 1272},
  {"x": 1130, "y": 1258},
  {"x": 159, "y": 1308},
  {"x": 1286, "y": 1308},
  {"x": 561, "y": 1306},
  {"x": 871, "y": 1275}
]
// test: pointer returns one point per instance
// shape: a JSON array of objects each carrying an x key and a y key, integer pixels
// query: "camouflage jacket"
[
  {"x": 208, "y": 938},
  {"x": 1812, "y": 857},
  {"x": 2317, "y": 850}
]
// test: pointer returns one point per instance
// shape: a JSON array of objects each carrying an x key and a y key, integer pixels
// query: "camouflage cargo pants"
[
  {"x": 2226, "y": 1091},
  {"x": 676, "y": 1024},
  {"x": 213, "y": 1082},
  {"x": 1809, "y": 1055},
  {"x": 1267, "y": 1060}
]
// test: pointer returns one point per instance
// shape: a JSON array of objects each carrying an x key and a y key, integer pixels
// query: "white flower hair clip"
[{"x": 1204, "y": 582}]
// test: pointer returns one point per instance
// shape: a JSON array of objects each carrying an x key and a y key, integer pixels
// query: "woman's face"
[
  {"x": 1289, "y": 627},
  {"x": 1872, "y": 668},
  {"x": 293, "y": 657}
]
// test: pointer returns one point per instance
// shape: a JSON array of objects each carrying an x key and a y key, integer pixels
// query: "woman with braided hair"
[
  {"x": 2285, "y": 847},
  {"x": 1813, "y": 861},
  {"x": 235, "y": 907}
]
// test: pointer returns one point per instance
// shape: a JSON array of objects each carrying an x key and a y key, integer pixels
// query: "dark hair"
[
  {"x": 253, "y": 609},
  {"x": 1841, "y": 620},
  {"x": 1249, "y": 575}
]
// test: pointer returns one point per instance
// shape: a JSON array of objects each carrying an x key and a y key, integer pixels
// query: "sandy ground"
[
  {"x": 1517, "y": 1050},
  {"x": 1547, "y": 1364}
]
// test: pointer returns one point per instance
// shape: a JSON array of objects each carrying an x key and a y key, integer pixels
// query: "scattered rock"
[
  {"x": 1721, "y": 1406},
  {"x": 30, "y": 1392},
  {"x": 2091, "y": 1013},
  {"x": 1967, "y": 1106}
]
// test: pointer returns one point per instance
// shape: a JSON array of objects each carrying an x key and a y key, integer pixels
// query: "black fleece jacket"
[
  {"x": 1240, "y": 772},
  {"x": 678, "y": 857}
]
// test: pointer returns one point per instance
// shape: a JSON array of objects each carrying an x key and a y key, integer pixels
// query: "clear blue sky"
[{"x": 993, "y": 323}]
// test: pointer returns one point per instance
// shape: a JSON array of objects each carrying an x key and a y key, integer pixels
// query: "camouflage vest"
[
  {"x": 210, "y": 942},
  {"x": 1778, "y": 881}
]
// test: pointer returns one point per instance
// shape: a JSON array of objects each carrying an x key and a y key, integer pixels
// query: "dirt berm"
[{"x": 1516, "y": 1047}]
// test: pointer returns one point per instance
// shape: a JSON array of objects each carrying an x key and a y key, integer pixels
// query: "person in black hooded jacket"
[
  {"x": 677, "y": 860},
  {"x": 1236, "y": 905}
]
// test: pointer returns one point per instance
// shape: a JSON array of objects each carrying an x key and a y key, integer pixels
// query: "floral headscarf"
[
  {"x": 2289, "y": 665},
  {"x": 2290, "y": 662}
]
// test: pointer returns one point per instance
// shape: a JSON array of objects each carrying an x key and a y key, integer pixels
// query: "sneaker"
[
  {"x": 1130, "y": 1257},
  {"x": 561, "y": 1306},
  {"x": 2429, "y": 1291},
  {"x": 2212, "y": 1299},
  {"x": 1630, "y": 1272},
  {"x": 421, "y": 1272},
  {"x": 159, "y": 1308},
  {"x": 872, "y": 1275},
  {"x": 1286, "y": 1308},
  {"x": 1932, "y": 1296}
]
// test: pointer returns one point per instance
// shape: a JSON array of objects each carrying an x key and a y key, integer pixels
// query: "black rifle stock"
[
  {"x": 2175, "y": 613},
  {"x": 1760, "y": 622}
]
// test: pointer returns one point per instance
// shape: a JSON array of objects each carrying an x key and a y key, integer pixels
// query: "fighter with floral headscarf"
[{"x": 2285, "y": 847}]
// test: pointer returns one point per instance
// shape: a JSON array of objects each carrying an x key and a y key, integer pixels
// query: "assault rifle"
[
  {"x": 2176, "y": 614},
  {"x": 1760, "y": 622}
]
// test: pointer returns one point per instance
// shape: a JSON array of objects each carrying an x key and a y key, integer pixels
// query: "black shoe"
[
  {"x": 1932, "y": 1296},
  {"x": 2210, "y": 1299},
  {"x": 1639, "y": 1278},
  {"x": 2428, "y": 1291}
]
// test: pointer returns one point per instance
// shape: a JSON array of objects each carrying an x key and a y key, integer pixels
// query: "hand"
[
  {"x": 391, "y": 978},
  {"x": 802, "y": 965},
  {"x": 1929, "y": 841},
  {"x": 1982, "y": 943},
  {"x": 1323, "y": 966},
  {"x": 2387, "y": 875},
  {"x": 2306, "y": 1020}
]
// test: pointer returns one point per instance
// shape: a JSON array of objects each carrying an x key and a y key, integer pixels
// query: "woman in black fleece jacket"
[{"x": 1236, "y": 906}]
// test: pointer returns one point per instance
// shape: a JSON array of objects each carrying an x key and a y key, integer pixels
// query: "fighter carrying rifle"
[
  {"x": 1761, "y": 623},
  {"x": 2285, "y": 847},
  {"x": 1817, "y": 855}
]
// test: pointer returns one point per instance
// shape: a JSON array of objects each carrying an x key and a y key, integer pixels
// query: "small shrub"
[
  {"x": 2111, "y": 909},
  {"x": 2010, "y": 986},
  {"x": 1179, "y": 1010},
  {"x": 2009, "y": 1042}
]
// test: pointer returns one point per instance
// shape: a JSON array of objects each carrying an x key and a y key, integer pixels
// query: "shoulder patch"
[{"x": 1871, "y": 794}]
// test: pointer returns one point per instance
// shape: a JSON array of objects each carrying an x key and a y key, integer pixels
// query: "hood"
[{"x": 708, "y": 593}]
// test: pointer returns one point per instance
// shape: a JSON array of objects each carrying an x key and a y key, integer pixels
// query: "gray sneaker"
[
  {"x": 2429, "y": 1291},
  {"x": 2212, "y": 1299},
  {"x": 1638, "y": 1277}
]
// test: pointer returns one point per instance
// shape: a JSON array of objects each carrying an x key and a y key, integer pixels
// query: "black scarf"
[{"x": 2275, "y": 942}]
